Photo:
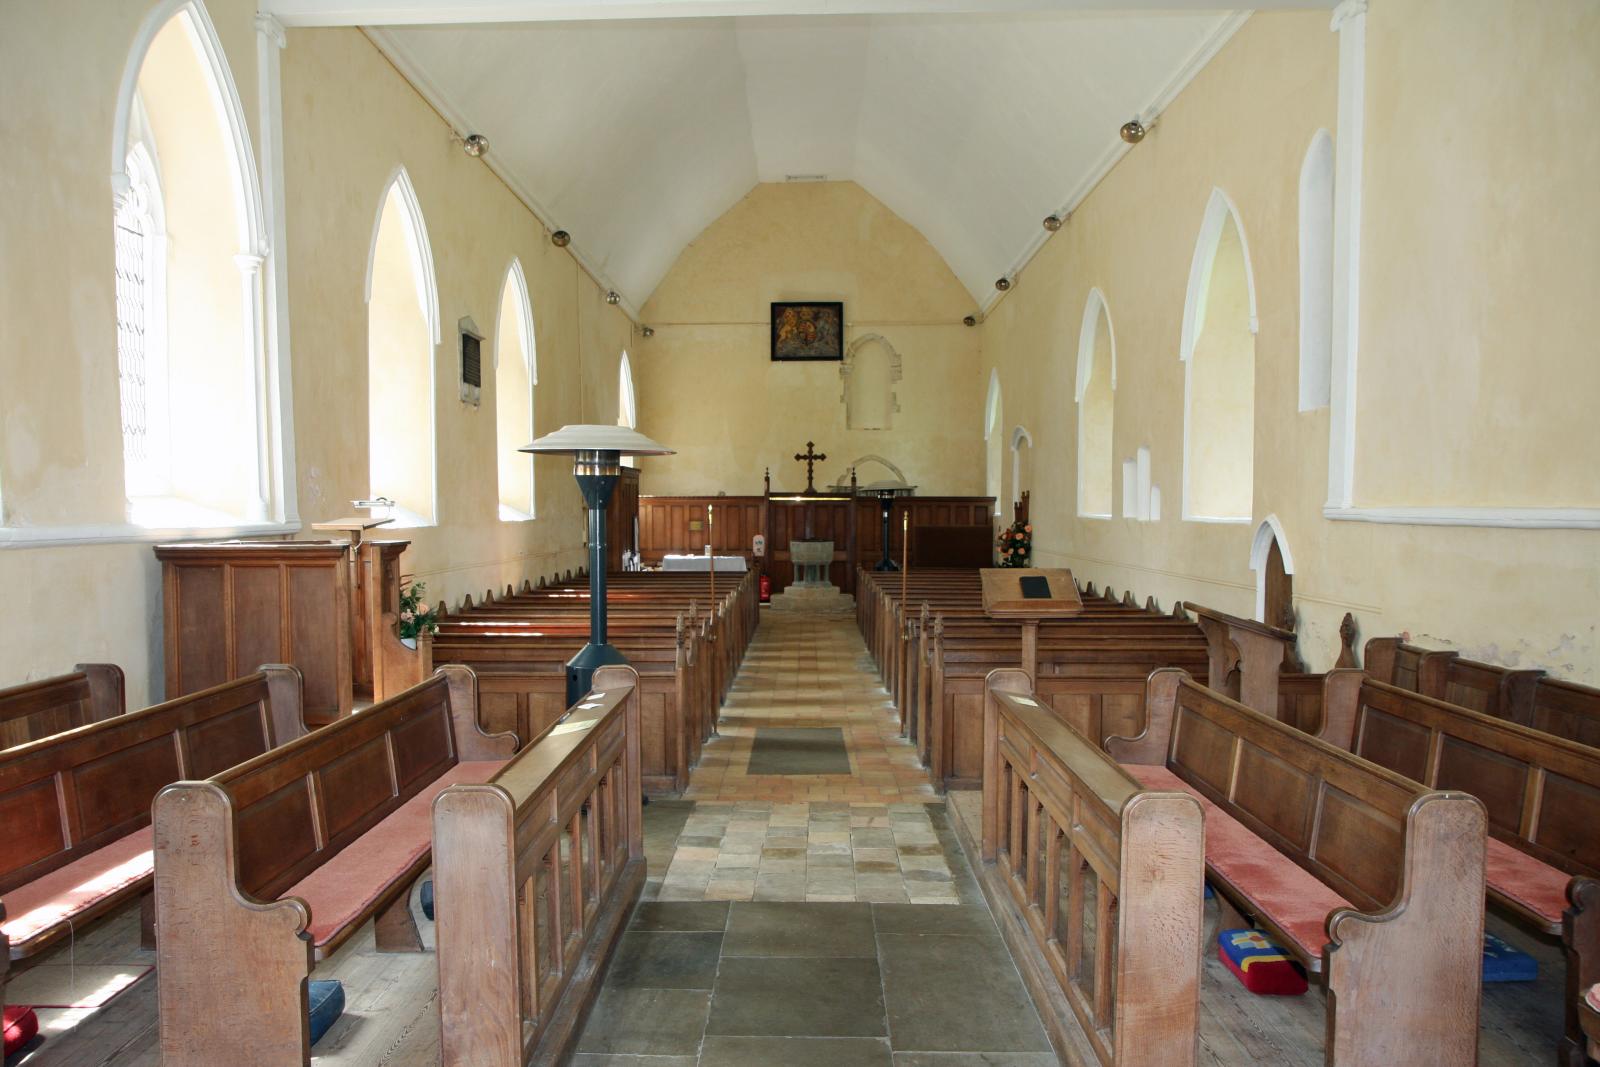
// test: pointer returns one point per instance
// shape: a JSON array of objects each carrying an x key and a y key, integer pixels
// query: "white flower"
[{"x": 406, "y": 616}]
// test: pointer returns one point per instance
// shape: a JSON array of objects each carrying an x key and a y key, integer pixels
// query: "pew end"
[
  {"x": 472, "y": 741},
  {"x": 243, "y": 967},
  {"x": 1428, "y": 941}
]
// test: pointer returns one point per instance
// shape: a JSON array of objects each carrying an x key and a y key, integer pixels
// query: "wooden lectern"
[{"x": 1029, "y": 595}]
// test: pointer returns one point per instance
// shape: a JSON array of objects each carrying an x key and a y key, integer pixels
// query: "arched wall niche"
[
  {"x": 870, "y": 370},
  {"x": 994, "y": 441},
  {"x": 516, "y": 373},
  {"x": 1094, "y": 393},
  {"x": 1021, "y": 440},
  {"x": 1316, "y": 273},
  {"x": 1217, "y": 349},
  {"x": 402, "y": 337}
]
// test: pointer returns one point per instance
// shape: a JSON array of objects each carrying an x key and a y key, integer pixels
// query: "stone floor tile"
[
  {"x": 987, "y": 1011},
  {"x": 759, "y": 929},
  {"x": 648, "y": 959},
  {"x": 638, "y": 1021},
  {"x": 798, "y": 997},
  {"x": 795, "y": 1052}
]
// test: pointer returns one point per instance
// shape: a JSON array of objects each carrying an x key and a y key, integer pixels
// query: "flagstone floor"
[{"x": 871, "y": 835}]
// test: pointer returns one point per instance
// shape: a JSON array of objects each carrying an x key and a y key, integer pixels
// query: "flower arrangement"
[
  {"x": 1015, "y": 544},
  {"x": 416, "y": 617}
]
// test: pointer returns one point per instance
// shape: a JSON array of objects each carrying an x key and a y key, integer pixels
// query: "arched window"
[
  {"x": 1021, "y": 445},
  {"x": 1218, "y": 349},
  {"x": 1316, "y": 273},
  {"x": 402, "y": 332},
  {"x": 994, "y": 442},
  {"x": 1274, "y": 567},
  {"x": 516, "y": 373},
  {"x": 627, "y": 406},
  {"x": 1096, "y": 385},
  {"x": 188, "y": 253}
]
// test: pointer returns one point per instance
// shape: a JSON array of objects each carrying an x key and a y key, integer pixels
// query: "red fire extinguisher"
[{"x": 766, "y": 589}]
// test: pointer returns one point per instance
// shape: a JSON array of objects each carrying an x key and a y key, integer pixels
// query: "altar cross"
[{"x": 810, "y": 457}]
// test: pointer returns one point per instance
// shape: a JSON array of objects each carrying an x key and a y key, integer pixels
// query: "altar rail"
[{"x": 940, "y": 525}]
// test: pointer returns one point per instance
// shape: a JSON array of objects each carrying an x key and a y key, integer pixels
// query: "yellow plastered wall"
[
  {"x": 1519, "y": 597},
  {"x": 349, "y": 120},
  {"x": 708, "y": 387}
]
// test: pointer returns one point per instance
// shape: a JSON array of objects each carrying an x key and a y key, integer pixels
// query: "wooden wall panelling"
[{"x": 231, "y": 605}]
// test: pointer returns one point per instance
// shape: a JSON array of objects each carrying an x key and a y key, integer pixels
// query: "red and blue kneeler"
[
  {"x": 1261, "y": 967},
  {"x": 21, "y": 1024}
]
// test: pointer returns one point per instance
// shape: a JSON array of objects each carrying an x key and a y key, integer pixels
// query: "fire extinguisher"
[{"x": 766, "y": 589}]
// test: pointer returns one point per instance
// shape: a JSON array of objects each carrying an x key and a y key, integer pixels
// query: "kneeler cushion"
[
  {"x": 426, "y": 895},
  {"x": 1502, "y": 963},
  {"x": 325, "y": 1003},
  {"x": 20, "y": 1026},
  {"x": 1262, "y": 967}
]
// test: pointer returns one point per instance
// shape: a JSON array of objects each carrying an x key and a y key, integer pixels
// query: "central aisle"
[{"x": 783, "y": 920}]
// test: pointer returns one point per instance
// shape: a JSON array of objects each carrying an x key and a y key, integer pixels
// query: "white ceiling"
[{"x": 636, "y": 134}]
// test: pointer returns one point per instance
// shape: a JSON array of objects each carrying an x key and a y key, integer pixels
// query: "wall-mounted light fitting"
[
  {"x": 613, "y": 297},
  {"x": 1052, "y": 223},
  {"x": 1002, "y": 283},
  {"x": 473, "y": 144},
  {"x": 970, "y": 320},
  {"x": 1133, "y": 130},
  {"x": 648, "y": 331},
  {"x": 561, "y": 238}
]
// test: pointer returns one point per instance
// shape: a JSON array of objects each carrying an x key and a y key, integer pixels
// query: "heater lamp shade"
[{"x": 570, "y": 440}]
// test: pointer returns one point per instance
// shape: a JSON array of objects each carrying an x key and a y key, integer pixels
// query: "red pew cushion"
[
  {"x": 46, "y": 902},
  {"x": 1532, "y": 883},
  {"x": 1274, "y": 885},
  {"x": 342, "y": 890},
  {"x": 20, "y": 1026}
]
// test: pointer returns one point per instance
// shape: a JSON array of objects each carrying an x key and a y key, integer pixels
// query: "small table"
[{"x": 701, "y": 564}]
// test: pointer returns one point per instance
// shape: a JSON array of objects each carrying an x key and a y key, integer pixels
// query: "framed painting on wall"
[{"x": 807, "y": 331}]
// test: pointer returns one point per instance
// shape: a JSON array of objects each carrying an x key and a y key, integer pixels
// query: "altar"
[{"x": 701, "y": 564}]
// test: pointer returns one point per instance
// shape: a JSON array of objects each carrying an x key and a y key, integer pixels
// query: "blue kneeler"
[
  {"x": 427, "y": 899},
  {"x": 326, "y": 1003},
  {"x": 1502, "y": 963}
]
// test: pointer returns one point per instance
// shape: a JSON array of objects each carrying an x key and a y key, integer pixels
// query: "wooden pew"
[
  {"x": 1371, "y": 880},
  {"x": 542, "y": 865},
  {"x": 91, "y": 693},
  {"x": 1542, "y": 795},
  {"x": 76, "y": 805},
  {"x": 272, "y": 864},
  {"x": 1095, "y": 882},
  {"x": 1247, "y": 657},
  {"x": 1528, "y": 697}
]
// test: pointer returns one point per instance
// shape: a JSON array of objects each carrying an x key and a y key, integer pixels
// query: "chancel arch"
[
  {"x": 1274, "y": 568},
  {"x": 870, "y": 370},
  {"x": 1095, "y": 395},
  {"x": 516, "y": 374},
  {"x": 402, "y": 333},
  {"x": 1218, "y": 351},
  {"x": 188, "y": 253}
]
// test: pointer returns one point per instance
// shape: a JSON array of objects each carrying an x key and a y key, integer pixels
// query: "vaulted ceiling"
[{"x": 635, "y": 134}]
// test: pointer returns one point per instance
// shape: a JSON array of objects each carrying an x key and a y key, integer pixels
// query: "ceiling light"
[
  {"x": 648, "y": 331},
  {"x": 613, "y": 297},
  {"x": 970, "y": 320},
  {"x": 1052, "y": 223},
  {"x": 561, "y": 238},
  {"x": 473, "y": 144},
  {"x": 1002, "y": 283},
  {"x": 1133, "y": 130}
]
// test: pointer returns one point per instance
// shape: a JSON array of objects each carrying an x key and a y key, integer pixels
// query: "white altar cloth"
[{"x": 725, "y": 564}]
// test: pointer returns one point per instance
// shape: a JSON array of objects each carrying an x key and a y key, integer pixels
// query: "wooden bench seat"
[
  {"x": 1402, "y": 866},
  {"x": 91, "y": 693},
  {"x": 236, "y": 942},
  {"x": 76, "y": 805}
]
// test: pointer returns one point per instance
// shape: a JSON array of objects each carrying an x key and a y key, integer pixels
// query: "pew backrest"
[
  {"x": 1542, "y": 792},
  {"x": 297, "y": 806},
  {"x": 91, "y": 693},
  {"x": 64, "y": 796}
]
